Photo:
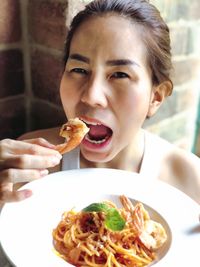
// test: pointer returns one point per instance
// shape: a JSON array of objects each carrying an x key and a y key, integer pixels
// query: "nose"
[{"x": 94, "y": 92}]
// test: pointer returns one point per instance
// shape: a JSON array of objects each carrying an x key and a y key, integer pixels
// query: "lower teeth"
[{"x": 95, "y": 141}]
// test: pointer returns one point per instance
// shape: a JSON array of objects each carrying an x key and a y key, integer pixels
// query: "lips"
[{"x": 98, "y": 133}]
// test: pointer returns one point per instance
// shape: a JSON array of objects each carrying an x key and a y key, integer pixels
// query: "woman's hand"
[{"x": 24, "y": 161}]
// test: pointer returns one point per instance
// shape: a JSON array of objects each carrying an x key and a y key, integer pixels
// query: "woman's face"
[{"x": 107, "y": 83}]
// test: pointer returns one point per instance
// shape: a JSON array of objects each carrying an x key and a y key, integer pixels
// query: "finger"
[
  {"x": 13, "y": 176},
  {"x": 10, "y": 147},
  {"x": 15, "y": 196},
  {"x": 30, "y": 162},
  {"x": 40, "y": 141}
]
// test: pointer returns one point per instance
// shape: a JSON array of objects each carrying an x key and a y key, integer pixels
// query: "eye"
[
  {"x": 79, "y": 71},
  {"x": 119, "y": 75}
]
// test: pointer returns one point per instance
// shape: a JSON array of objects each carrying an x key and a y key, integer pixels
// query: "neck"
[{"x": 130, "y": 158}]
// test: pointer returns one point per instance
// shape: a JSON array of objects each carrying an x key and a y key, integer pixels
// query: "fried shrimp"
[
  {"x": 74, "y": 131},
  {"x": 151, "y": 234}
]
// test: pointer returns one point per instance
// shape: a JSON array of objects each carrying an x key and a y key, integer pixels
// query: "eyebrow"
[
  {"x": 119, "y": 62},
  {"x": 79, "y": 58},
  {"x": 114, "y": 62}
]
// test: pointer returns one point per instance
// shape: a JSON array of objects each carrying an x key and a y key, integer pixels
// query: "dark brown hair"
[{"x": 155, "y": 32}]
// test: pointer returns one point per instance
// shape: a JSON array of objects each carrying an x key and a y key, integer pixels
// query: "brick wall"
[
  {"x": 12, "y": 104},
  {"x": 47, "y": 33},
  {"x": 177, "y": 119},
  {"x": 32, "y": 33}
]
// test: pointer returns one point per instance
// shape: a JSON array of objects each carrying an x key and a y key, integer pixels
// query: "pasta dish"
[{"x": 103, "y": 235}]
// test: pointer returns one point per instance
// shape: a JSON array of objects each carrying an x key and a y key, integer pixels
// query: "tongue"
[{"x": 99, "y": 132}]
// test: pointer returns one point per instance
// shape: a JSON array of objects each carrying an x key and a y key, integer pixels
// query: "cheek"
[
  {"x": 134, "y": 105},
  {"x": 131, "y": 114},
  {"x": 68, "y": 97}
]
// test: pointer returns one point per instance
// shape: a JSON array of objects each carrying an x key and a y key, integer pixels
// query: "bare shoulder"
[
  {"x": 51, "y": 135},
  {"x": 185, "y": 172},
  {"x": 178, "y": 167},
  {"x": 181, "y": 169},
  {"x": 184, "y": 163},
  {"x": 177, "y": 158}
]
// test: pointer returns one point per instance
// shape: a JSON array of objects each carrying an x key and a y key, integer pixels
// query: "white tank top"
[
  {"x": 154, "y": 147},
  {"x": 153, "y": 153},
  {"x": 71, "y": 160}
]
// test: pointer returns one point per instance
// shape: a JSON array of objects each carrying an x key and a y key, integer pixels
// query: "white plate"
[{"x": 26, "y": 227}]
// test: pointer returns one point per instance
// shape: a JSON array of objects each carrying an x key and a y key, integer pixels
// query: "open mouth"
[{"x": 98, "y": 133}]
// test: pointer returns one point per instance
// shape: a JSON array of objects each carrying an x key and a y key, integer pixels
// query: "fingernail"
[
  {"x": 55, "y": 160},
  {"x": 44, "y": 172},
  {"x": 59, "y": 156},
  {"x": 50, "y": 145},
  {"x": 23, "y": 194},
  {"x": 27, "y": 193}
]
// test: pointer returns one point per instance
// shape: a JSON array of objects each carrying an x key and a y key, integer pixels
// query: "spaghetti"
[{"x": 84, "y": 239}]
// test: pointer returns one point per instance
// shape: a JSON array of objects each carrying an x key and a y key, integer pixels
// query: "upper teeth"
[{"x": 91, "y": 123}]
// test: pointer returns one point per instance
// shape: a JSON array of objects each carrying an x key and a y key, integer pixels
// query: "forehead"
[{"x": 112, "y": 35}]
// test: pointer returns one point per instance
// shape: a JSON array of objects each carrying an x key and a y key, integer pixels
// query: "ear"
[{"x": 158, "y": 95}]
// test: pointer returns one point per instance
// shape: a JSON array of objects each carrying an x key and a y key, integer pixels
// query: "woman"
[{"x": 117, "y": 74}]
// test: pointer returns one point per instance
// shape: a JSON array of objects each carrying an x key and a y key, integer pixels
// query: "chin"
[{"x": 96, "y": 157}]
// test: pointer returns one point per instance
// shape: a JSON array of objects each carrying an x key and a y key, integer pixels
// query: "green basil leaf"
[
  {"x": 114, "y": 221},
  {"x": 97, "y": 207}
]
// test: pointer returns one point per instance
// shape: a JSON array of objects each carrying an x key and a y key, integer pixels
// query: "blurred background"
[{"x": 32, "y": 34}]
